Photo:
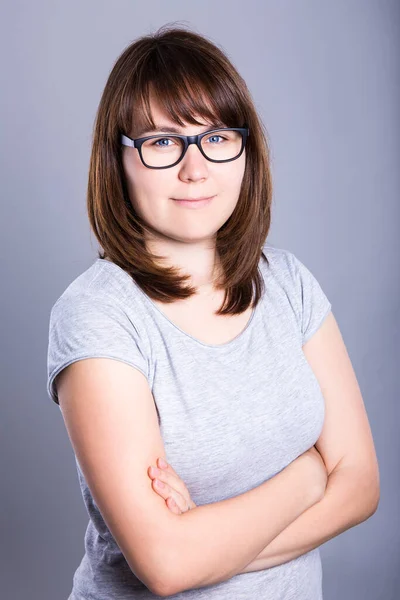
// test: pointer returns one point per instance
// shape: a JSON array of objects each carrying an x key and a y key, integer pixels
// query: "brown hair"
[{"x": 191, "y": 76}]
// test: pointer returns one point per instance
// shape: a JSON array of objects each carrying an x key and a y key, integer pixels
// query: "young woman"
[{"x": 191, "y": 339}]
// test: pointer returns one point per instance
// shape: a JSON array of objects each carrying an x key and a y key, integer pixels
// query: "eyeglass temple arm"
[{"x": 127, "y": 141}]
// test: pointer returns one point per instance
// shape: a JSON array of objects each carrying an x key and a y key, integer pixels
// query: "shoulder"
[
  {"x": 102, "y": 286},
  {"x": 279, "y": 267},
  {"x": 281, "y": 263},
  {"x": 286, "y": 265},
  {"x": 95, "y": 317},
  {"x": 300, "y": 287}
]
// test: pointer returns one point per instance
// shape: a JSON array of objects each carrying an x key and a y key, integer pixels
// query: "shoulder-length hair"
[{"x": 189, "y": 75}]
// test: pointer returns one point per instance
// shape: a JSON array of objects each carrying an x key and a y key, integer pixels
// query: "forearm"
[
  {"x": 350, "y": 498},
  {"x": 216, "y": 541}
]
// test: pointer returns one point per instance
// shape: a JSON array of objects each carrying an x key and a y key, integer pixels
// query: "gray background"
[{"x": 325, "y": 79}]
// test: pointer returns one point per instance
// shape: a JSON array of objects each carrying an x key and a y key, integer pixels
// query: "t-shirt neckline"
[{"x": 227, "y": 346}]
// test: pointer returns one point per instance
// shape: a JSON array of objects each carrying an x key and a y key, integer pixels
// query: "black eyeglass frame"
[{"x": 187, "y": 139}]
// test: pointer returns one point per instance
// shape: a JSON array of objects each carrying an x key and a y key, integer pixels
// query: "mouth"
[{"x": 194, "y": 203}]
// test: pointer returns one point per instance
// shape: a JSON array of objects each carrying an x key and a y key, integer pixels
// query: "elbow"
[
  {"x": 162, "y": 591},
  {"x": 170, "y": 572},
  {"x": 157, "y": 579},
  {"x": 370, "y": 509},
  {"x": 371, "y": 500},
  {"x": 164, "y": 580},
  {"x": 364, "y": 481},
  {"x": 375, "y": 501},
  {"x": 375, "y": 492},
  {"x": 153, "y": 567},
  {"x": 165, "y": 560},
  {"x": 165, "y": 569},
  {"x": 167, "y": 590},
  {"x": 163, "y": 585}
]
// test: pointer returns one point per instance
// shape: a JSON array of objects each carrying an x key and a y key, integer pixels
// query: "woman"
[{"x": 205, "y": 346}]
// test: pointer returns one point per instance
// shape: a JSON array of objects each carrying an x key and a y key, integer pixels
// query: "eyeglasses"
[{"x": 164, "y": 151}]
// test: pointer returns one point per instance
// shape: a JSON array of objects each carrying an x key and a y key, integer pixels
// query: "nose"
[{"x": 193, "y": 165}]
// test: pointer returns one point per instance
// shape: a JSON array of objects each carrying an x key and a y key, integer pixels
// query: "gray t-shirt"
[{"x": 231, "y": 415}]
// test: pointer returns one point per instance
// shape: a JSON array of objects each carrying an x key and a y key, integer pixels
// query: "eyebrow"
[{"x": 172, "y": 129}]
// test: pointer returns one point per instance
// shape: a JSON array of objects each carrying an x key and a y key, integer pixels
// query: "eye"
[
  {"x": 215, "y": 135},
  {"x": 161, "y": 140}
]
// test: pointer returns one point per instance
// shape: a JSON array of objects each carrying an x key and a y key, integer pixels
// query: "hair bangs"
[{"x": 187, "y": 89}]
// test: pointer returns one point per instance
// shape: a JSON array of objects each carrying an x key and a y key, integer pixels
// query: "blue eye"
[
  {"x": 215, "y": 136},
  {"x": 161, "y": 140}
]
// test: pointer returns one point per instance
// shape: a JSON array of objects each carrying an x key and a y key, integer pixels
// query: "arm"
[
  {"x": 349, "y": 499},
  {"x": 207, "y": 548},
  {"x": 347, "y": 448},
  {"x": 112, "y": 423}
]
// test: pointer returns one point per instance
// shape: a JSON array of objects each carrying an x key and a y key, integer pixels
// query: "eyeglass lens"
[{"x": 163, "y": 151}]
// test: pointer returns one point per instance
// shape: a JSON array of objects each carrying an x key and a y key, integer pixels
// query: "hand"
[{"x": 174, "y": 491}]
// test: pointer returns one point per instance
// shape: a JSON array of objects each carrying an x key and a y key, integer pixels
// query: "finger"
[
  {"x": 172, "y": 505},
  {"x": 170, "y": 479},
  {"x": 170, "y": 495},
  {"x": 168, "y": 468},
  {"x": 183, "y": 502}
]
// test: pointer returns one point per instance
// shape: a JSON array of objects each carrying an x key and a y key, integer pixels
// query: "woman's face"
[{"x": 152, "y": 191}]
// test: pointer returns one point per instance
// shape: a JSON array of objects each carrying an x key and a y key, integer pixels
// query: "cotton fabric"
[{"x": 231, "y": 415}]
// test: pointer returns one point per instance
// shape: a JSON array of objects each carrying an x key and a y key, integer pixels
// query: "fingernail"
[
  {"x": 162, "y": 463},
  {"x": 160, "y": 483}
]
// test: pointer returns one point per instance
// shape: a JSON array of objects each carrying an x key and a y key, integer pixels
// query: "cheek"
[
  {"x": 233, "y": 181},
  {"x": 153, "y": 202},
  {"x": 154, "y": 186},
  {"x": 147, "y": 192},
  {"x": 235, "y": 172}
]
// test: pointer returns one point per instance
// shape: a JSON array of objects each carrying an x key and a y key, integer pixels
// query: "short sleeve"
[
  {"x": 313, "y": 303},
  {"x": 85, "y": 327}
]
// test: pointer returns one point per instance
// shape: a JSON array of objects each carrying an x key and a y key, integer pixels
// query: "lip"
[{"x": 194, "y": 203}]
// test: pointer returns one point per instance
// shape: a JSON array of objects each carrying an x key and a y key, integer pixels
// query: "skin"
[
  {"x": 186, "y": 237},
  {"x": 172, "y": 488},
  {"x": 345, "y": 445}
]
